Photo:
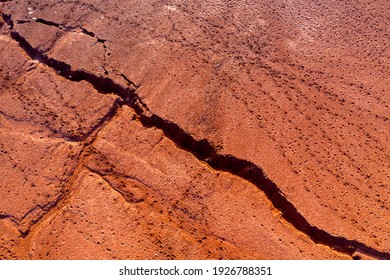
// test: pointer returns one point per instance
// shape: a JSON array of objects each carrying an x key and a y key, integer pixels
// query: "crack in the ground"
[
  {"x": 129, "y": 82},
  {"x": 67, "y": 28},
  {"x": 5, "y": 216},
  {"x": 8, "y": 20},
  {"x": 202, "y": 150},
  {"x": 22, "y": 21},
  {"x": 74, "y": 29},
  {"x": 101, "y": 84}
]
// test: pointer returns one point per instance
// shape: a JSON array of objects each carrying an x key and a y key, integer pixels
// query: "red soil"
[{"x": 200, "y": 130}]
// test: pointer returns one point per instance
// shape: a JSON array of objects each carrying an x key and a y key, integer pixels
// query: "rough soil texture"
[{"x": 194, "y": 129}]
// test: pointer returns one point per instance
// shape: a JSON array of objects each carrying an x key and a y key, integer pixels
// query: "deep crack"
[
  {"x": 202, "y": 150},
  {"x": 8, "y": 20}
]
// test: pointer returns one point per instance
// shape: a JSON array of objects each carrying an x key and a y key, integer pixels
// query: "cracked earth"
[{"x": 194, "y": 130}]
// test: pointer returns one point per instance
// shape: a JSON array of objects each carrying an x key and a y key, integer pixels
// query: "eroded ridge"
[{"x": 203, "y": 150}]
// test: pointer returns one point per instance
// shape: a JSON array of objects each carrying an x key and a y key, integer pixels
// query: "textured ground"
[{"x": 194, "y": 129}]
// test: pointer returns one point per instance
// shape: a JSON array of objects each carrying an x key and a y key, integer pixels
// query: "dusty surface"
[{"x": 194, "y": 130}]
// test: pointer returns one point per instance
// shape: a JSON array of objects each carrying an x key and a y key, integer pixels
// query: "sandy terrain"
[{"x": 194, "y": 129}]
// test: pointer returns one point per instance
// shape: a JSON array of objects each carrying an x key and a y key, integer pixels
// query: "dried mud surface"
[{"x": 194, "y": 129}]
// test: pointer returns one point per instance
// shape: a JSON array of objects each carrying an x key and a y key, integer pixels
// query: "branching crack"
[
  {"x": 67, "y": 28},
  {"x": 129, "y": 82},
  {"x": 202, "y": 150}
]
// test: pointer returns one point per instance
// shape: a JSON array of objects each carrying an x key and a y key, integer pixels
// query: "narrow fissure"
[
  {"x": 70, "y": 28},
  {"x": 5, "y": 216},
  {"x": 203, "y": 150}
]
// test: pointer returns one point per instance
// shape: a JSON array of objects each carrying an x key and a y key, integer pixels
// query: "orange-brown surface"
[{"x": 194, "y": 129}]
